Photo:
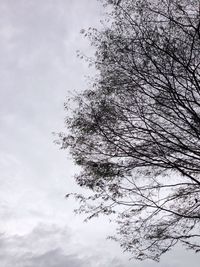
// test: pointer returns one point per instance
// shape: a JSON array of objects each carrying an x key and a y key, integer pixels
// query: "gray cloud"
[
  {"x": 55, "y": 258},
  {"x": 48, "y": 245}
]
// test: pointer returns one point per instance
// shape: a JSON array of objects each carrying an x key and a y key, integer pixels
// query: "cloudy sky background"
[{"x": 38, "y": 66}]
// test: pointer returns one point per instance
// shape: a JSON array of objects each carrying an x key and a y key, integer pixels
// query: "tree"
[{"x": 136, "y": 131}]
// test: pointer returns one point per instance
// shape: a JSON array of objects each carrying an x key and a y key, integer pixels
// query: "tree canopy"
[{"x": 136, "y": 131}]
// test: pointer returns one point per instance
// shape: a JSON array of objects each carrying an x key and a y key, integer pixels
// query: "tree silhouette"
[{"x": 136, "y": 131}]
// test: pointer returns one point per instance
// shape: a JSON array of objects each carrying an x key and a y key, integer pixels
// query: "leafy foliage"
[{"x": 136, "y": 132}]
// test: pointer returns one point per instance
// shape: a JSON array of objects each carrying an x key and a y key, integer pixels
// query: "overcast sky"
[{"x": 38, "y": 66}]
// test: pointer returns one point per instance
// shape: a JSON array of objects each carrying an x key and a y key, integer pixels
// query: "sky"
[{"x": 38, "y": 70}]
